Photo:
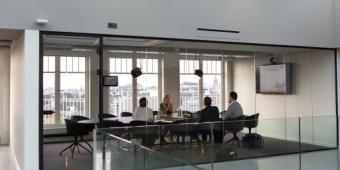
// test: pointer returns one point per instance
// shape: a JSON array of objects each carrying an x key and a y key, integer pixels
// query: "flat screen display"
[
  {"x": 274, "y": 79},
  {"x": 110, "y": 80}
]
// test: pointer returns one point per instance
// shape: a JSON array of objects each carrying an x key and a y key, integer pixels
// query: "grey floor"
[
  {"x": 7, "y": 161},
  {"x": 186, "y": 153},
  {"x": 52, "y": 160},
  {"x": 321, "y": 160}
]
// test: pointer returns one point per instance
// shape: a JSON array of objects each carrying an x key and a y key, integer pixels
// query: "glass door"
[{"x": 70, "y": 79}]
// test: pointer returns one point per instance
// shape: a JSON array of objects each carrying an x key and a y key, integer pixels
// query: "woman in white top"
[{"x": 143, "y": 112}]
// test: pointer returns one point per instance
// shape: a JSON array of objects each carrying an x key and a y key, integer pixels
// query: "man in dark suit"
[{"x": 208, "y": 114}]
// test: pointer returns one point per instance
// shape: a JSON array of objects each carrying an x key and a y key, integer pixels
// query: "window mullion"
[
  {"x": 134, "y": 83},
  {"x": 200, "y": 85},
  {"x": 57, "y": 91}
]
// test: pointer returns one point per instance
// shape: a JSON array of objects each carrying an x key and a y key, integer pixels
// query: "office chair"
[
  {"x": 126, "y": 114},
  {"x": 78, "y": 118},
  {"x": 147, "y": 134},
  {"x": 114, "y": 126},
  {"x": 234, "y": 126},
  {"x": 155, "y": 113},
  {"x": 111, "y": 123},
  {"x": 140, "y": 123},
  {"x": 187, "y": 114},
  {"x": 76, "y": 130},
  {"x": 181, "y": 129},
  {"x": 107, "y": 115},
  {"x": 251, "y": 121}
]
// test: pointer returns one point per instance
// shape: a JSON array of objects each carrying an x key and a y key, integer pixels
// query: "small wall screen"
[{"x": 110, "y": 81}]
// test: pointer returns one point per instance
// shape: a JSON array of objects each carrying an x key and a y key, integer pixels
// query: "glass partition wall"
[
  {"x": 162, "y": 84},
  {"x": 70, "y": 91}
]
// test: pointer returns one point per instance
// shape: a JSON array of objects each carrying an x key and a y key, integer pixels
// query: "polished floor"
[
  {"x": 52, "y": 160},
  {"x": 196, "y": 154},
  {"x": 7, "y": 161},
  {"x": 201, "y": 155},
  {"x": 320, "y": 160}
]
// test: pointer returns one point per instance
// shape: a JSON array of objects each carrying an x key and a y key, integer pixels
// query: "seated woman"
[
  {"x": 143, "y": 112},
  {"x": 165, "y": 108}
]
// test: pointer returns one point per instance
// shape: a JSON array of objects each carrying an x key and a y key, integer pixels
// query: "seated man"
[
  {"x": 143, "y": 112},
  {"x": 234, "y": 110},
  {"x": 208, "y": 114}
]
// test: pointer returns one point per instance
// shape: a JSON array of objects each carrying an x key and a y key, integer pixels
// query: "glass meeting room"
[{"x": 147, "y": 103}]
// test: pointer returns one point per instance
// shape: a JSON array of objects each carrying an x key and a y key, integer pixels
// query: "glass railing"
[
  {"x": 182, "y": 144},
  {"x": 113, "y": 152}
]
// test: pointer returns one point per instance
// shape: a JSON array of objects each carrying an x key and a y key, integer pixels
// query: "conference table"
[{"x": 127, "y": 120}]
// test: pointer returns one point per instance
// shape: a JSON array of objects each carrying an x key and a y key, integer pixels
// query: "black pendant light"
[{"x": 136, "y": 72}]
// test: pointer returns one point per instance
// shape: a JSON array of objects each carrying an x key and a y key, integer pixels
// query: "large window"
[
  {"x": 72, "y": 87},
  {"x": 189, "y": 85},
  {"x": 147, "y": 83},
  {"x": 49, "y": 88},
  {"x": 212, "y": 80},
  {"x": 64, "y": 88},
  {"x": 121, "y": 96}
]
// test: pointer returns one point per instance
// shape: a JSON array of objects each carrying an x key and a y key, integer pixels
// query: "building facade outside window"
[
  {"x": 121, "y": 96},
  {"x": 147, "y": 83},
  {"x": 194, "y": 88},
  {"x": 64, "y": 88}
]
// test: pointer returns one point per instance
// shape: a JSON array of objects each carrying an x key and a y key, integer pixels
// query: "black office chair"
[
  {"x": 140, "y": 123},
  {"x": 116, "y": 127},
  {"x": 181, "y": 129},
  {"x": 88, "y": 126},
  {"x": 108, "y": 115},
  {"x": 234, "y": 126},
  {"x": 155, "y": 113},
  {"x": 187, "y": 114},
  {"x": 78, "y": 118},
  {"x": 111, "y": 123},
  {"x": 251, "y": 121},
  {"x": 146, "y": 134},
  {"x": 126, "y": 114},
  {"x": 76, "y": 130}
]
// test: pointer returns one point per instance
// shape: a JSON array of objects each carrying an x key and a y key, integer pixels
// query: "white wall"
[
  {"x": 4, "y": 95},
  {"x": 313, "y": 83},
  {"x": 16, "y": 101},
  {"x": 24, "y": 108},
  {"x": 337, "y": 21},
  {"x": 301, "y": 22}
]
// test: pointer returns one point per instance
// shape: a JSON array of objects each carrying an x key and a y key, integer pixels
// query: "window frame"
[
  {"x": 57, "y": 85},
  {"x": 200, "y": 60}
]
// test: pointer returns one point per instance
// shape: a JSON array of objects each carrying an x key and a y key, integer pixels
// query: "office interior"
[{"x": 72, "y": 64}]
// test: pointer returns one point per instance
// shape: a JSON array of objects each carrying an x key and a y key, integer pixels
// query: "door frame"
[{"x": 100, "y": 72}]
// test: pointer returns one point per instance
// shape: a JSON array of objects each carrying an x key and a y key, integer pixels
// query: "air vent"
[
  {"x": 112, "y": 25},
  {"x": 218, "y": 30}
]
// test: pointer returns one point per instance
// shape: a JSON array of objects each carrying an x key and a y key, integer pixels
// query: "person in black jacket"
[{"x": 208, "y": 114}]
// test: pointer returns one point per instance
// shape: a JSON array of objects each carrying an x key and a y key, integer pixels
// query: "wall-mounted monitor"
[
  {"x": 274, "y": 79},
  {"x": 110, "y": 80}
]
